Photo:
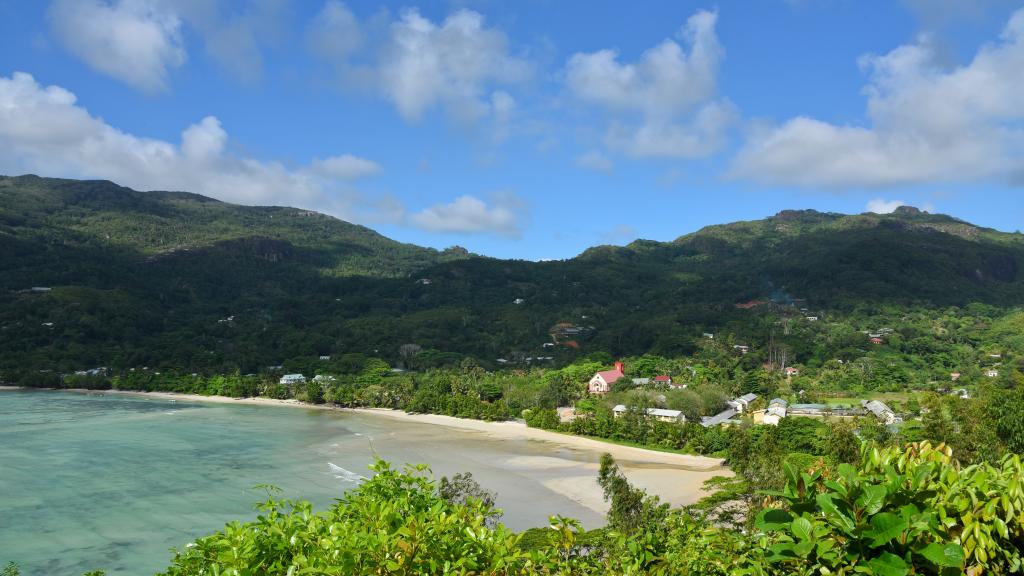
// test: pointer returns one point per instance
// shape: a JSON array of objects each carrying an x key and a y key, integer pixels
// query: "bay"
[{"x": 114, "y": 482}]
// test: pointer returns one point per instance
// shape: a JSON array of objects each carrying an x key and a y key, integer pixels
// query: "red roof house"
[{"x": 602, "y": 382}]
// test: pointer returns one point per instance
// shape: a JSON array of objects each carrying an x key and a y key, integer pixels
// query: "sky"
[{"x": 531, "y": 129}]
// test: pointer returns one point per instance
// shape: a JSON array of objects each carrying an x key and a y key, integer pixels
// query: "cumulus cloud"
[
  {"x": 926, "y": 123},
  {"x": 140, "y": 41},
  {"x": 596, "y": 161},
  {"x": 665, "y": 103},
  {"x": 882, "y": 206},
  {"x": 504, "y": 216},
  {"x": 417, "y": 64},
  {"x": 135, "y": 41},
  {"x": 43, "y": 129}
]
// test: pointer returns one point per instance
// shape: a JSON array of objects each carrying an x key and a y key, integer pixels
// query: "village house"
[
  {"x": 791, "y": 371},
  {"x": 602, "y": 382},
  {"x": 641, "y": 381},
  {"x": 722, "y": 418},
  {"x": 518, "y": 301},
  {"x": 663, "y": 380},
  {"x": 742, "y": 403},
  {"x": 881, "y": 411},
  {"x": 656, "y": 413},
  {"x": 709, "y": 335},
  {"x": 289, "y": 379},
  {"x": 741, "y": 347},
  {"x": 992, "y": 373},
  {"x": 811, "y": 410},
  {"x": 325, "y": 356},
  {"x": 323, "y": 379},
  {"x": 954, "y": 376},
  {"x": 876, "y": 340},
  {"x": 812, "y": 318},
  {"x": 776, "y": 411}
]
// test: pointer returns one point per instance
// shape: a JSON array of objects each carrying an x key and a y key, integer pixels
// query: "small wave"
[
  {"x": 171, "y": 412},
  {"x": 346, "y": 475},
  {"x": 358, "y": 434}
]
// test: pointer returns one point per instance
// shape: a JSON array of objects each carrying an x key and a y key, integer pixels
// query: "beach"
[{"x": 675, "y": 478}]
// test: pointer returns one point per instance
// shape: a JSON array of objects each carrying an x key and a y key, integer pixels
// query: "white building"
[{"x": 292, "y": 379}]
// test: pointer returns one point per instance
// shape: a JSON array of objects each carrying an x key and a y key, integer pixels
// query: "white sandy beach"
[{"x": 675, "y": 478}]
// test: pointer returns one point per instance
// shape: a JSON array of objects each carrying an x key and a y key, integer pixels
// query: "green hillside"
[{"x": 175, "y": 279}]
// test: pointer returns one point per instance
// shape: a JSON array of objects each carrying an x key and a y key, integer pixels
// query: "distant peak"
[{"x": 908, "y": 211}]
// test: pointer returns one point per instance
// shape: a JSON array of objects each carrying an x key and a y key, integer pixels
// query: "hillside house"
[
  {"x": 881, "y": 411},
  {"x": 325, "y": 356},
  {"x": 992, "y": 373},
  {"x": 602, "y": 382},
  {"x": 709, "y": 335},
  {"x": 663, "y": 380},
  {"x": 809, "y": 410},
  {"x": 518, "y": 301},
  {"x": 723, "y": 417},
  {"x": 791, "y": 371},
  {"x": 876, "y": 341},
  {"x": 641, "y": 381},
  {"x": 289, "y": 379},
  {"x": 742, "y": 403},
  {"x": 954, "y": 376},
  {"x": 743, "y": 349},
  {"x": 812, "y": 318},
  {"x": 776, "y": 411}
]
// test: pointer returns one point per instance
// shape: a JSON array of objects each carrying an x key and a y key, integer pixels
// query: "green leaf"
[
  {"x": 949, "y": 555},
  {"x": 801, "y": 528},
  {"x": 773, "y": 519},
  {"x": 872, "y": 499},
  {"x": 888, "y": 564},
  {"x": 885, "y": 527},
  {"x": 834, "y": 515}
]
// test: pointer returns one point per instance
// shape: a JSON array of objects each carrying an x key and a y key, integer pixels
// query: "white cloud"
[
  {"x": 334, "y": 32},
  {"x": 468, "y": 215},
  {"x": 135, "y": 41},
  {"x": 882, "y": 206},
  {"x": 927, "y": 124},
  {"x": 43, "y": 130},
  {"x": 418, "y": 65},
  {"x": 664, "y": 104},
  {"x": 596, "y": 161},
  {"x": 345, "y": 167},
  {"x": 140, "y": 41}
]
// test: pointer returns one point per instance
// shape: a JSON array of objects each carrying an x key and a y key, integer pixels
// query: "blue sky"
[{"x": 530, "y": 129}]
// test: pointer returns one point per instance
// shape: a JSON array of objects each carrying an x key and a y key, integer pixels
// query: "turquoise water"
[{"x": 113, "y": 482}]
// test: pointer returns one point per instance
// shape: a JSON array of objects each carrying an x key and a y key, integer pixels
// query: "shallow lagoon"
[{"x": 113, "y": 482}]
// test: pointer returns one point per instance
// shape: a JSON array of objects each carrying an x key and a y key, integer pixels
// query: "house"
[
  {"x": 722, "y": 417},
  {"x": 881, "y": 411},
  {"x": 518, "y": 301},
  {"x": 323, "y": 379},
  {"x": 742, "y": 403},
  {"x": 325, "y": 356},
  {"x": 992, "y": 373},
  {"x": 425, "y": 281},
  {"x": 954, "y": 376},
  {"x": 961, "y": 393},
  {"x": 876, "y": 340},
  {"x": 742, "y": 348},
  {"x": 664, "y": 380},
  {"x": 812, "y": 410},
  {"x": 641, "y": 381},
  {"x": 773, "y": 415},
  {"x": 812, "y": 318},
  {"x": 709, "y": 335},
  {"x": 289, "y": 379},
  {"x": 602, "y": 382},
  {"x": 656, "y": 413},
  {"x": 791, "y": 371}
]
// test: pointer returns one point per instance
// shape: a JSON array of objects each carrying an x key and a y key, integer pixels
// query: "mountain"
[{"x": 182, "y": 281}]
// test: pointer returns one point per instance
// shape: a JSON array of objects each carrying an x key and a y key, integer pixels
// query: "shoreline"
[{"x": 675, "y": 478}]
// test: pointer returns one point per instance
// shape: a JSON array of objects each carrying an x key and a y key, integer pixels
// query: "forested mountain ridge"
[
  {"x": 94, "y": 214},
  {"x": 179, "y": 280}
]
